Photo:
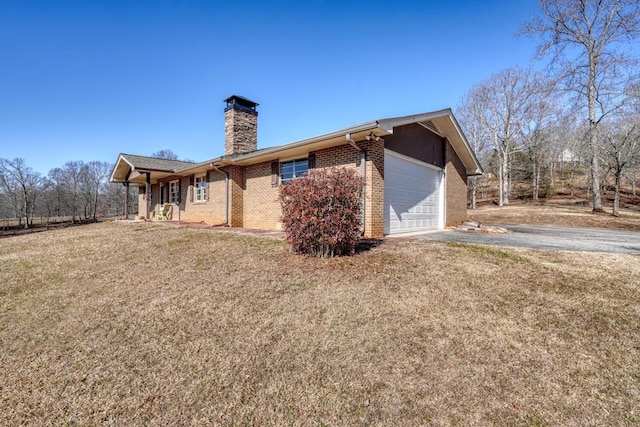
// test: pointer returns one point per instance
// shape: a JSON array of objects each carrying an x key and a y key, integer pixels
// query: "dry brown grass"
[
  {"x": 560, "y": 212},
  {"x": 146, "y": 324}
]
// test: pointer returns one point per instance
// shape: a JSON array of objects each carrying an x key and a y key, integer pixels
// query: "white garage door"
[{"x": 413, "y": 195}]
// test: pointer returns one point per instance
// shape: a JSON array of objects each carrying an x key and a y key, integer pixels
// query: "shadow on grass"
[
  {"x": 366, "y": 244},
  {"x": 20, "y": 230}
]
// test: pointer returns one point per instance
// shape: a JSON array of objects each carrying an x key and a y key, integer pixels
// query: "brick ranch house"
[{"x": 414, "y": 170}]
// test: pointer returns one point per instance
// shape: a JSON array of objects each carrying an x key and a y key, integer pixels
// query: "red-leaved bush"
[{"x": 321, "y": 212}]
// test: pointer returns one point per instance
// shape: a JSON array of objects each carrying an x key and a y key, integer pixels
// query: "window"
[
  {"x": 200, "y": 189},
  {"x": 293, "y": 169},
  {"x": 174, "y": 191},
  {"x": 163, "y": 197}
]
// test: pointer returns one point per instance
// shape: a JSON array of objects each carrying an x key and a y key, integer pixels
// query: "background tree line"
[
  {"x": 77, "y": 191},
  {"x": 575, "y": 125}
]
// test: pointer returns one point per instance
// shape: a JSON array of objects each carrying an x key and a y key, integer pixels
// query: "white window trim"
[
  {"x": 177, "y": 193},
  {"x": 200, "y": 196},
  {"x": 293, "y": 160}
]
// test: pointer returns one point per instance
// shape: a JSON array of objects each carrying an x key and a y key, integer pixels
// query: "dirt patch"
[{"x": 146, "y": 324}]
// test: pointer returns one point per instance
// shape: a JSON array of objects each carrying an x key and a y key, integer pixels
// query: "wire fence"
[{"x": 42, "y": 220}]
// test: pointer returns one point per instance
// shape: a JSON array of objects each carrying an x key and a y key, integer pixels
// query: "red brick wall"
[
  {"x": 261, "y": 206},
  {"x": 343, "y": 155},
  {"x": 210, "y": 212},
  {"x": 374, "y": 188},
  {"x": 455, "y": 188},
  {"x": 253, "y": 201},
  {"x": 236, "y": 196}
]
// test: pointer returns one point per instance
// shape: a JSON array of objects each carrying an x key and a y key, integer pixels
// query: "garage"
[{"x": 413, "y": 195}]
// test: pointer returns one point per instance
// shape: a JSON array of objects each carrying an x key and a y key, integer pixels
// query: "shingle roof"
[{"x": 155, "y": 164}]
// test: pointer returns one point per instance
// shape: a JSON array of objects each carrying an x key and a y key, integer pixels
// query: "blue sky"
[{"x": 86, "y": 80}]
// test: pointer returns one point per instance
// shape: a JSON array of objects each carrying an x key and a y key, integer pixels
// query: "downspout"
[
  {"x": 363, "y": 174},
  {"x": 226, "y": 184}
]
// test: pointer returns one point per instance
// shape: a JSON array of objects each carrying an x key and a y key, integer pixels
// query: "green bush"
[{"x": 322, "y": 212}]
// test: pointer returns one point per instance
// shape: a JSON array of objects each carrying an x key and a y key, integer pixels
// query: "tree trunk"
[
  {"x": 616, "y": 197},
  {"x": 595, "y": 184},
  {"x": 593, "y": 137},
  {"x": 26, "y": 210},
  {"x": 500, "y": 185},
  {"x": 474, "y": 192},
  {"x": 505, "y": 180},
  {"x": 571, "y": 182},
  {"x": 536, "y": 180},
  {"x": 95, "y": 204},
  {"x": 32, "y": 206},
  {"x": 633, "y": 180}
]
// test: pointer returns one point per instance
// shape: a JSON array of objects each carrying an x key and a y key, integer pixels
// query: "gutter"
[
  {"x": 363, "y": 174},
  {"x": 226, "y": 184},
  {"x": 337, "y": 134}
]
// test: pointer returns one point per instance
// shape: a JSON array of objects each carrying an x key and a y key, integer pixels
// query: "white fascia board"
[
  {"x": 121, "y": 157},
  {"x": 389, "y": 124},
  {"x": 206, "y": 164}
]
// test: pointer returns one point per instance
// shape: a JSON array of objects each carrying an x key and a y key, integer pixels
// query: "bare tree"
[
  {"x": 479, "y": 139},
  {"x": 588, "y": 41},
  {"x": 56, "y": 193},
  {"x": 114, "y": 195},
  {"x": 11, "y": 195},
  {"x": 541, "y": 132},
  {"x": 502, "y": 106},
  {"x": 622, "y": 149},
  {"x": 24, "y": 182},
  {"x": 76, "y": 189},
  {"x": 71, "y": 181},
  {"x": 165, "y": 154},
  {"x": 95, "y": 174}
]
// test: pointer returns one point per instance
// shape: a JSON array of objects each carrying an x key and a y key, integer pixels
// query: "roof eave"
[
  {"x": 207, "y": 164},
  {"x": 389, "y": 124},
  {"x": 112, "y": 177},
  {"x": 337, "y": 136}
]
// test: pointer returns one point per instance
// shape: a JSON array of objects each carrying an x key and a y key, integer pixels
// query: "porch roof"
[{"x": 133, "y": 168}]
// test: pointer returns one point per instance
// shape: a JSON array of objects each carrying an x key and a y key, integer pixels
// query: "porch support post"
[
  {"x": 126, "y": 200},
  {"x": 126, "y": 194},
  {"x": 147, "y": 193}
]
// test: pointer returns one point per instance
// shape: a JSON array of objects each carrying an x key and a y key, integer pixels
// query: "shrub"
[{"x": 321, "y": 212}]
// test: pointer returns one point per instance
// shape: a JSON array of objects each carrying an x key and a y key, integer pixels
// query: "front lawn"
[{"x": 150, "y": 324}]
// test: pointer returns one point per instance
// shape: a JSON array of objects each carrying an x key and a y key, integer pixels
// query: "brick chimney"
[{"x": 240, "y": 125}]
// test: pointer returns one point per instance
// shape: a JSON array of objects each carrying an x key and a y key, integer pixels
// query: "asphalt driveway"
[{"x": 548, "y": 238}]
